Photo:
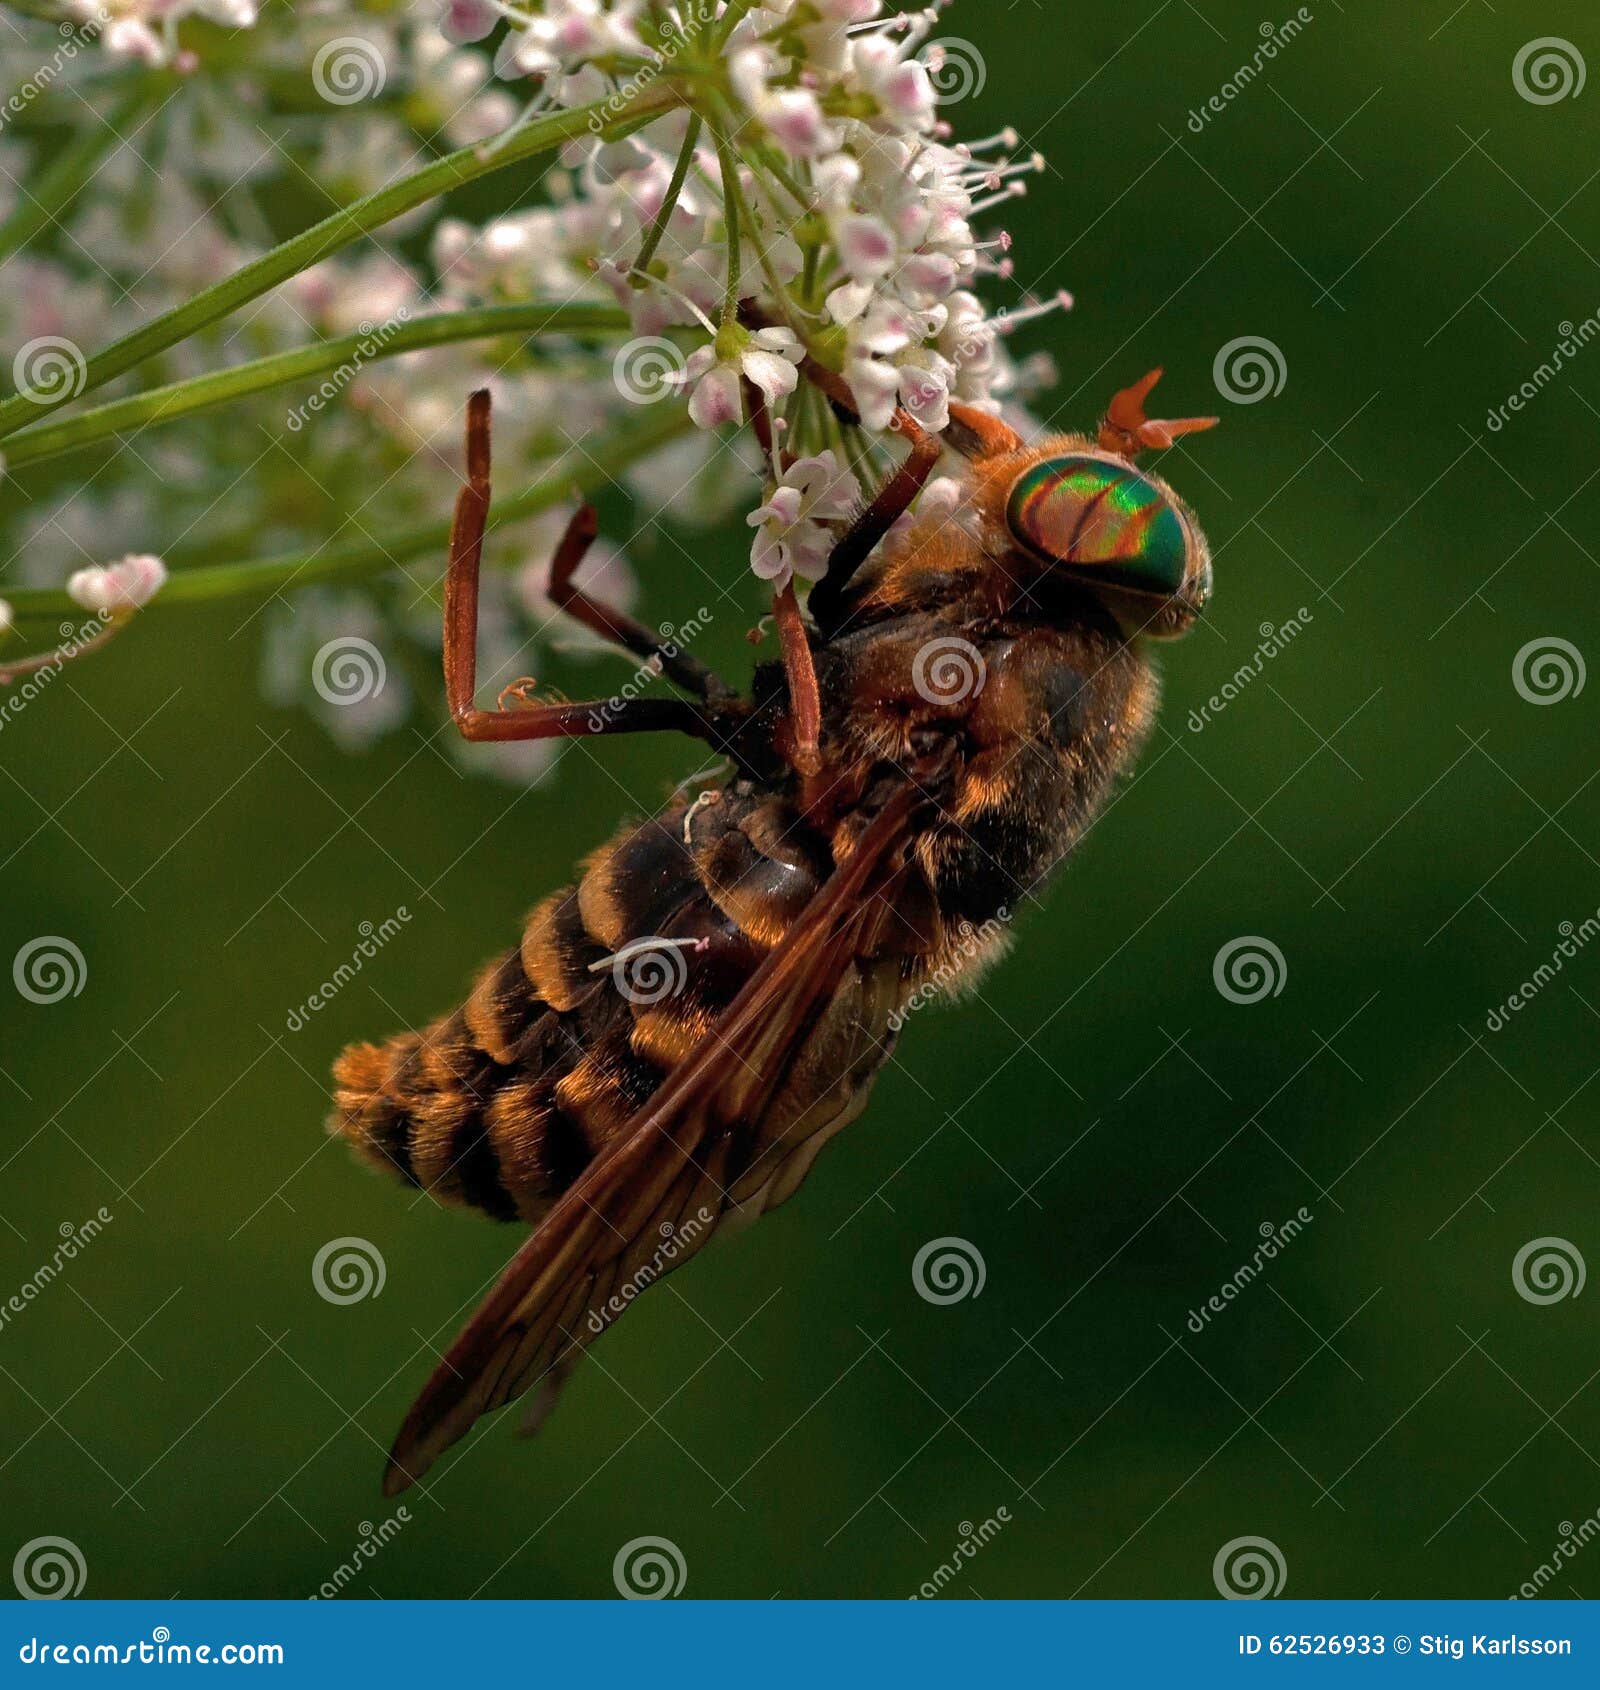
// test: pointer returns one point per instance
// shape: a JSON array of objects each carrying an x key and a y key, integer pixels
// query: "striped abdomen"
[{"x": 502, "y": 1104}]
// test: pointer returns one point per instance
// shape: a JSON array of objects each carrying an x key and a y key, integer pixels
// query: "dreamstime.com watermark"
[
  {"x": 1573, "y": 939},
  {"x": 371, "y": 1543},
  {"x": 74, "y": 38},
  {"x": 1274, "y": 641},
  {"x": 970, "y": 944},
  {"x": 75, "y": 1239},
  {"x": 675, "y": 637},
  {"x": 73, "y": 640},
  {"x": 158, "y": 1650},
  {"x": 1575, "y": 338},
  {"x": 666, "y": 52},
  {"x": 676, "y": 1241},
  {"x": 1274, "y": 38},
  {"x": 1274, "y": 1241},
  {"x": 1574, "y": 1540},
  {"x": 974, "y": 1540},
  {"x": 373, "y": 939},
  {"x": 370, "y": 345}
]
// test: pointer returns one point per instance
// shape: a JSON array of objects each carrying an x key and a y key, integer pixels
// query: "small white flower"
[
  {"x": 6, "y": 617},
  {"x": 791, "y": 538},
  {"x": 769, "y": 358},
  {"x": 469, "y": 20},
  {"x": 898, "y": 84},
  {"x": 792, "y": 116},
  {"x": 125, "y": 585}
]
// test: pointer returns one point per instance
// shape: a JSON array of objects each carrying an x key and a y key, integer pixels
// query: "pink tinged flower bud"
[
  {"x": 125, "y": 585},
  {"x": 468, "y": 20},
  {"x": 866, "y": 247},
  {"x": 794, "y": 120}
]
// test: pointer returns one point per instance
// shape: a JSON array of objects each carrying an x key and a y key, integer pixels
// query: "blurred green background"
[{"x": 1103, "y": 1125}]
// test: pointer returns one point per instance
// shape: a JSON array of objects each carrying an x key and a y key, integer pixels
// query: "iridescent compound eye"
[{"x": 1094, "y": 513}]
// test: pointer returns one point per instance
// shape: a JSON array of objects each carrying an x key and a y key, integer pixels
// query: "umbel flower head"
[
  {"x": 804, "y": 198},
  {"x": 772, "y": 190}
]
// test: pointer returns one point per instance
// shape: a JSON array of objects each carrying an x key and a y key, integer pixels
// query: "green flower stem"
[
  {"x": 59, "y": 182},
  {"x": 590, "y": 471},
  {"x": 680, "y": 174},
  {"x": 304, "y": 365},
  {"x": 730, "y": 216},
  {"x": 338, "y": 231}
]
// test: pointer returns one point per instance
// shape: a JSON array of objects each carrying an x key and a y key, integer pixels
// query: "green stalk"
[
  {"x": 730, "y": 216},
  {"x": 680, "y": 173},
  {"x": 58, "y": 184},
  {"x": 304, "y": 364},
  {"x": 593, "y": 469},
  {"x": 336, "y": 232}
]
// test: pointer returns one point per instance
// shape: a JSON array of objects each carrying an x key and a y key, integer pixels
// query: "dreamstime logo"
[
  {"x": 1249, "y": 1569},
  {"x": 968, "y": 946},
  {"x": 1273, "y": 641},
  {"x": 1549, "y": 1270},
  {"x": 1573, "y": 1539},
  {"x": 370, "y": 1542},
  {"x": 1549, "y": 670},
  {"x": 1274, "y": 1240},
  {"x": 676, "y": 1242},
  {"x": 649, "y": 1569},
  {"x": 48, "y": 969},
  {"x": 75, "y": 1239},
  {"x": 955, "y": 68},
  {"x": 349, "y": 1270},
  {"x": 372, "y": 940},
  {"x": 1274, "y": 38},
  {"x": 647, "y": 370},
  {"x": 1548, "y": 70},
  {"x": 1250, "y": 968},
  {"x": 679, "y": 30},
  {"x": 74, "y": 638},
  {"x": 49, "y": 1569},
  {"x": 650, "y": 970},
  {"x": 1575, "y": 339},
  {"x": 348, "y": 70},
  {"x": 348, "y": 670},
  {"x": 948, "y": 671},
  {"x": 74, "y": 36},
  {"x": 949, "y": 1270},
  {"x": 974, "y": 1539},
  {"x": 49, "y": 369},
  {"x": 372, "y": 342},
  {"x": 1574, "y": 936},
  {"x": 674, "y": 638},
  {"x": 1250, "y": 369}
]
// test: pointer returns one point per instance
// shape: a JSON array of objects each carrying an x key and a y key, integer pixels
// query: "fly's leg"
[
  {"x": 615, "y": 625},
  {"x": 977, "y": 434},
  {"x": 893, "y": 501},
  {"x": 536, "y": 721}
]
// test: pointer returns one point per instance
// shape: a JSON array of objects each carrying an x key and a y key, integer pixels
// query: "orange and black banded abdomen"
[{"x": 502, "y": 1104}]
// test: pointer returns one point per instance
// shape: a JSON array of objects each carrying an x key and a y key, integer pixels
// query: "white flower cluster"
[
  {"x": 147, "y": 30},
  {"x": 817, "y": 184},
  {"x": 791, "y": 191}
]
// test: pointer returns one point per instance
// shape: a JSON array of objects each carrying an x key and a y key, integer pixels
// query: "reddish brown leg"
[
  {"x": 976, "y": 434},
  {"x": 805, "y": 699},
  {"x": 614, "y": 625},
  {"x": 538, "y": 721},
  {"x": 863, "y": 535}
]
